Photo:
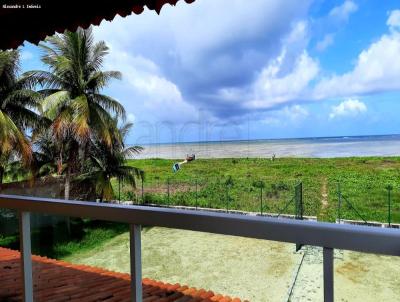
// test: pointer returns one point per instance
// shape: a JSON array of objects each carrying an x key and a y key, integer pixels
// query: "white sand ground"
[
  {"x": 256, "y": 270},
  {"x": 358, "y": 277}
]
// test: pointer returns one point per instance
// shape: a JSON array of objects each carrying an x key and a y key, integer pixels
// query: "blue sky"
[{"x": 258, "y": 69}]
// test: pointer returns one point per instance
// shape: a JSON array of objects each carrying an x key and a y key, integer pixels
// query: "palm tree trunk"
[
  {"x": 67, "y": 189},
  {"x": 60, "y": 163},
  {"x": 1, "y": 176}
]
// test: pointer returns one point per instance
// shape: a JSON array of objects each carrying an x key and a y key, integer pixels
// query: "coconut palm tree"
[
  {"x": 72, "y": 96},
  {"x": 106, "y": 163},
  {"x": 18, "y": 112},
  {"x": 46, "y": 156}
]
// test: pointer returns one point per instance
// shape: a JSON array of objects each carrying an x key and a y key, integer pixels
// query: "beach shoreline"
[{"x": 324, "y": 147}]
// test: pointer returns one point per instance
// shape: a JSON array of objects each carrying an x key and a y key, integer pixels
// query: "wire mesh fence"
[
  {"x": 227, "y": 193},
  {"x": 367, "y": 202},
  {"x": 364, "y": 201}
]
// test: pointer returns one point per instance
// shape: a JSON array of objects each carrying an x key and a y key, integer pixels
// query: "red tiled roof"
[
  {"x": 56, "y": 281},
  {"x": 33, "y": 25}
]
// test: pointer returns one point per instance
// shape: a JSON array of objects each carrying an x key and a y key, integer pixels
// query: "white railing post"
[
  {"x": 328, "y": 274},
  {"x": 136, "y": 263},
  {"x": 26, "y": 255}
]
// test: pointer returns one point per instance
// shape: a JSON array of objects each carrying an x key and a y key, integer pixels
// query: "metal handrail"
[
  {"x": 327, "y": 235},
  {"x": 347, "y": 237}
]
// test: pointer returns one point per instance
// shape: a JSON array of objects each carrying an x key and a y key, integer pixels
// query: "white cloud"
[
  {"x": 284, "y": 79},
  {"x": 377, "y": 69},
  {"x": 342, "y": 12},
  {"x": 394, "y": 20},
  {"x": 350, "y": 107},
  {"x": 165, "y": 101},
  {"x": 328, "y": 25},
  {"x": 181, "y": 33},
  {"x": 176, "y": 63},
  {"x": 272, "y": 88},
  {"x": 202, "y": 60},
  {"x": 289, "y": 115},
  {"x": 326, "y": 41},
  {"x": 154, "y": 94}
]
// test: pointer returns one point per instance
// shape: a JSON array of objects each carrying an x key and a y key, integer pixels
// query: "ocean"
[{"x": 318, "y": 147}]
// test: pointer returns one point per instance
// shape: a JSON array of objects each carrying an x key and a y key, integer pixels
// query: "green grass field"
[{"x": 235, "y": 183}]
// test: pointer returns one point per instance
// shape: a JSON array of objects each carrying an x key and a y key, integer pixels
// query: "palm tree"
[
  {"x": 18, "y": 112},
  {"x": 72, "y": 96},
  {"x": 107, "y": 163},
  {"x": 46, "y": 156}
]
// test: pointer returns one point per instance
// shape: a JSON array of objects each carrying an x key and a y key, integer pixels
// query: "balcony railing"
[{"x": 327, "y": 235}]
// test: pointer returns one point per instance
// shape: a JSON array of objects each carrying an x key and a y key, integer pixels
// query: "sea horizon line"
[{"x": 314, "y": 138}]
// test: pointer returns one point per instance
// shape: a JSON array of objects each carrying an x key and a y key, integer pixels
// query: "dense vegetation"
[
  {"x": 53, "y": 239},
  {"x": 17, "y": 114},
  {"x": 58, "y": 122},
  {"x": 236, "y": 183}
]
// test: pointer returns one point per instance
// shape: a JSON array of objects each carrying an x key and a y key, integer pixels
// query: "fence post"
[
  {"x": 168, "y": 190},
  {"x": 299, "y": 207},
  {"x": 261, "y": 200},
  {"x": 119, "y": 190},
  {"x": 217, "y": 182},
  {"x": 299, "y": 201},
  {"x": 339, "y": 200},
  {"x": 209, "y": 199},
  {"x": 228, "y": 185},
  {"x": 227, "y": 199},
  {"x": 196, "y": 194},
  {"x": 389, "y": 188},
  {"x": 142, "y": 191},
  {"x": 296, "y": 202}
]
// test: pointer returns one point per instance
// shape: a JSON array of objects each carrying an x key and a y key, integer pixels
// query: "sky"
[{"x": 239, "y": 69}]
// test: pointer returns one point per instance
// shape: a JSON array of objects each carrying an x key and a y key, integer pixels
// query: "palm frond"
[
  {"x": 24, "y": 118},
  {"x": 53, "y": 104},
  {"x": 100, "y": 50},
  {"x": 101, "y": 79},
  {"x": 124, "y": 129},
  {"x": 22, "y": 97},
  {"x": 80, "y": 119},
  {"x": 45, "y": 79},
  {"x": 110, "y": 104},
  {"x": 13, "y": 140},
  {"x": 102, "y": 123},
  {"x": 131, "y": 151}
]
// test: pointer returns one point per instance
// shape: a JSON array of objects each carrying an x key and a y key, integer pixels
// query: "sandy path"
[{"x": 324, "y": 193}]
